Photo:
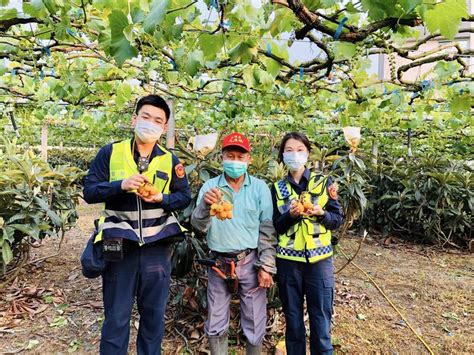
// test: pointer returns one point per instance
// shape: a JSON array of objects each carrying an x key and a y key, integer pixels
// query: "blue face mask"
[{"x": 234, "y": 168}]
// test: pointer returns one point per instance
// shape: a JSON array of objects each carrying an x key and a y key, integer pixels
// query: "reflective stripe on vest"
[
  {"x": 306, "y": 254},
  {"x": 307, "y": 240},
  {"x": 146, "y": 232},
  {"x": 130, "y": 224}
]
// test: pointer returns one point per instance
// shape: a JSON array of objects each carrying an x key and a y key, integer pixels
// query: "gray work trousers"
[{"x": 253, "y": 302}]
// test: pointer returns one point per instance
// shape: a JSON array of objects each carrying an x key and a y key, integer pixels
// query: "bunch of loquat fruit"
[
  {"x": 303, "y": 204},
  {"x": 222, "y": 209},
  {"x": 147, "y": 190}
]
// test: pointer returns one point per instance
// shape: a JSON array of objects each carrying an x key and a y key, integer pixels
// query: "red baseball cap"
[{"x": 236, "y": 140}]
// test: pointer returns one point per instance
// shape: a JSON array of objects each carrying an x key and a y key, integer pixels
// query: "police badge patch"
[
  {"x": 332, "y": 190},
  {"x": 179, "y": 170}
]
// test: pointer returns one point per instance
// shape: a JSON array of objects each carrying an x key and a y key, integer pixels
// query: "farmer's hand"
[
  {"x": 265, "y": 280},
  {"x": 133, "y": 182},
  {"x": 212, "y": 196}
]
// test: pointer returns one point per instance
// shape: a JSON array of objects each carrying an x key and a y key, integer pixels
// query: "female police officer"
[{"x": 304, "y": 251}]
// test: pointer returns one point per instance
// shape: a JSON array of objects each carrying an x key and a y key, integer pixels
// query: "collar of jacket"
[
  {"x": 155, "y": 152},
  {"x": 223, "y": 182},
  {"x": 306, "y": 175}
]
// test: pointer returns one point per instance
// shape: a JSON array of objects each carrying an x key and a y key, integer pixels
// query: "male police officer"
[
  {"x": 246, "y": 241},
  {"x": 136, "y": 228}
]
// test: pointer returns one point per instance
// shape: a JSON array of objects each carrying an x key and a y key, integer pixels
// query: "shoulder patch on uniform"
[
  {"x": 332, "y": 190},
  {"x": 179, "y": 170}
]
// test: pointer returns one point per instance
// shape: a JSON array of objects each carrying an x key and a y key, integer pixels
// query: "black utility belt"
[{"x": 239, "y": 255}]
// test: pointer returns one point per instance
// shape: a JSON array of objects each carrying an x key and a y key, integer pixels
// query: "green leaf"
[
  {"x": 204, "y": 175},
  {"x": 344, "y": 50},
  {"x": 32, "y": 343},
  {"x": 263, "y": 77},
  {"x": 8, "y": 234},
  {"x": 283, "y": 22},
  {"x": 377, "y": 9},
  {"x": 446, "y": 69},
  {"x": 190, "y": 168},
  {"x": 156, "y": 15},
  {"x": 8, "y": 14},
  {"x": 55, "y": 218},
  {"x": 361, "y": 76},
  {"x": 34, "y": 8},
  {"x": 460, "y": 104},
  {"x": 26, "y": 229},
  {"x": 7, "y": 254},
  {"x": 175, "y": 32},
  {"x": 446, "y": 17},
  {"x": 409, "y": 5},
  {"x": 18, "y": 216},
  {"x": 249, "y": 78},
  {"x": 243, "y": 52},
  {"x": 120, "y": 47},
  {"x": 50, "y": 5},
  {"x": 74, "y": 346},
  {"x": 58, "y": 322},
  {"x": 328, "y": 3},
  {"x": 37, "y": 4},
  {"x": 138, "y": 15},
  {"x": 255, "y": 77},
  {"x": 273, "y": 67},
  {"x": 194, "y": 62},
  {"x": 396, "y": 99},
  {"x": 451, "y": 315},
  {"x": 124, "y": 94},
  {"x": 210, "y": 45},
  {"x": 128, "y": 32},
  {"x": 48, "y": 299}
]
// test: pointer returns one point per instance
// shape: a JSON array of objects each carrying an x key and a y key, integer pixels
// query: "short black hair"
[
  {"x": 295, "y": 135},
  {"x": 154, "y": 100}
]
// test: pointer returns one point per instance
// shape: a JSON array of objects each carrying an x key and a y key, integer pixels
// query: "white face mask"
[
  {"x": 295, "y": 160},
  {"x": 148, "y": 132}
]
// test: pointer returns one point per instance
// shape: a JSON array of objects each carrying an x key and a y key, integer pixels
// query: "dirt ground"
[{"x": 52, "y": 308}]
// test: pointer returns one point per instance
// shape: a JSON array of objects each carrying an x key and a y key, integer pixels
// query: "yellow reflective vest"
[
  {"x": 307, "y": 240},
  {"x": 133, "y": 219}
]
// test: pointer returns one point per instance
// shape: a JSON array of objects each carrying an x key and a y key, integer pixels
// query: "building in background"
[{"x": 435, "y": 47}]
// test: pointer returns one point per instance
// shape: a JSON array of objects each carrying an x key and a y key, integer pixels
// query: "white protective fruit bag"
[
  {"x": 204, "y": 144},
  {"x": 352, "y": 136}
]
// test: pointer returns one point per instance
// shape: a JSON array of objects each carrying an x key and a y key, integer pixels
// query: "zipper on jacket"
[{"x": 140, "y": 227}]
